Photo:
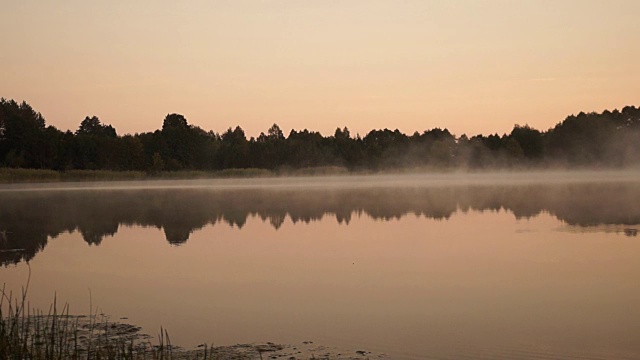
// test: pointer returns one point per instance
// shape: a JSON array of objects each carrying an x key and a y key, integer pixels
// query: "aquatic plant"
[{"x": 27, "y": 333}]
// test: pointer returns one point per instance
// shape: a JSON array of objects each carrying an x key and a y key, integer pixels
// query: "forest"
[{"x": 610, "y": 139}]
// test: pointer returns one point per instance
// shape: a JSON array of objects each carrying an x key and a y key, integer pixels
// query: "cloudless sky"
[{"x": 469, "y": 66}]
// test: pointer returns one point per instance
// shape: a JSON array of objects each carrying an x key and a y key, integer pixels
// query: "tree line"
[{"x": 607, "y": 139}]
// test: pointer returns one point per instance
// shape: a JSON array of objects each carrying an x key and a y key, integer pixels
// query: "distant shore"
[{"x": 19, "y": 175}]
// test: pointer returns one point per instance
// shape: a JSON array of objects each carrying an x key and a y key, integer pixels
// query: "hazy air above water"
[{"x": 506, "y": 265}]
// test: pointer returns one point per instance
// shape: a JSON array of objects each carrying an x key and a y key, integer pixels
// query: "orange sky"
[{"x": 470, "y": 66}]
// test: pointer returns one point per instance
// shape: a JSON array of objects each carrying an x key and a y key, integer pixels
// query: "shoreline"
[
  {"x": 41, "y": 176},
  {"x": 19, "y": 175},
  {"x": 97, "y": 335},
  {"x": 339, "y": 181}
]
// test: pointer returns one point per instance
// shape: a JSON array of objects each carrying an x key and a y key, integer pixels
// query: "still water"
[{"x": 528, "y": 266}]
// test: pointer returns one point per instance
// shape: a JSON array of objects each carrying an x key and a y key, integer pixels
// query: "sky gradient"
[{"x": 469, "y": 66}]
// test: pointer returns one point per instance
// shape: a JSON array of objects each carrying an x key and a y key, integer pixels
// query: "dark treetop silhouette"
[{"x": 609, "y": 139}]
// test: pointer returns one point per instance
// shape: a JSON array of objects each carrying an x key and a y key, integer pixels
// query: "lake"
[{"x": 452, "y": 266}]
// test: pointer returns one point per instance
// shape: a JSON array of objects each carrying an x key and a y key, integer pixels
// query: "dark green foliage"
[
  {"x": 183, "y": 146},
  {"x": 529, "y": 140},
  {"x": 91, "y": 126},
  {"x": 269, "y": 151},
  {"x": 307, "y": 149},
  {"x": 22, "y": 136},
  {"x": 385, "y": 148},
  {"x": 234, "y": 150},
  {"x": 609, "y": 139}
]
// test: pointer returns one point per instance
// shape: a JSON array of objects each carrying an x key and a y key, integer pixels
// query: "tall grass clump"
[{"x": 27, "y": 333}]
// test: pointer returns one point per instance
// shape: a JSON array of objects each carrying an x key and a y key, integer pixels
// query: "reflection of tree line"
[{"x": 28, "y": 219}]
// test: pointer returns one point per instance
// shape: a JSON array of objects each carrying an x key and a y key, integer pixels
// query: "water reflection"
[{"x": 29, "y": 219}]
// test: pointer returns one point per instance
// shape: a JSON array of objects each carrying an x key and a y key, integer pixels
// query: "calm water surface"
[{"x": 415, "y": 267}]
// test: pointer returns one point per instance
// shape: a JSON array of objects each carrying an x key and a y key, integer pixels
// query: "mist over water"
[
  {"x": 34, "y": 213},
  {"x": 501, "y": 265}
]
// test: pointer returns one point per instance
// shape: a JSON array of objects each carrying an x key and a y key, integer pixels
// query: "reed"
[
  {"x": 26, "y": 333},
  {"x": 31, "y": 334}
]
